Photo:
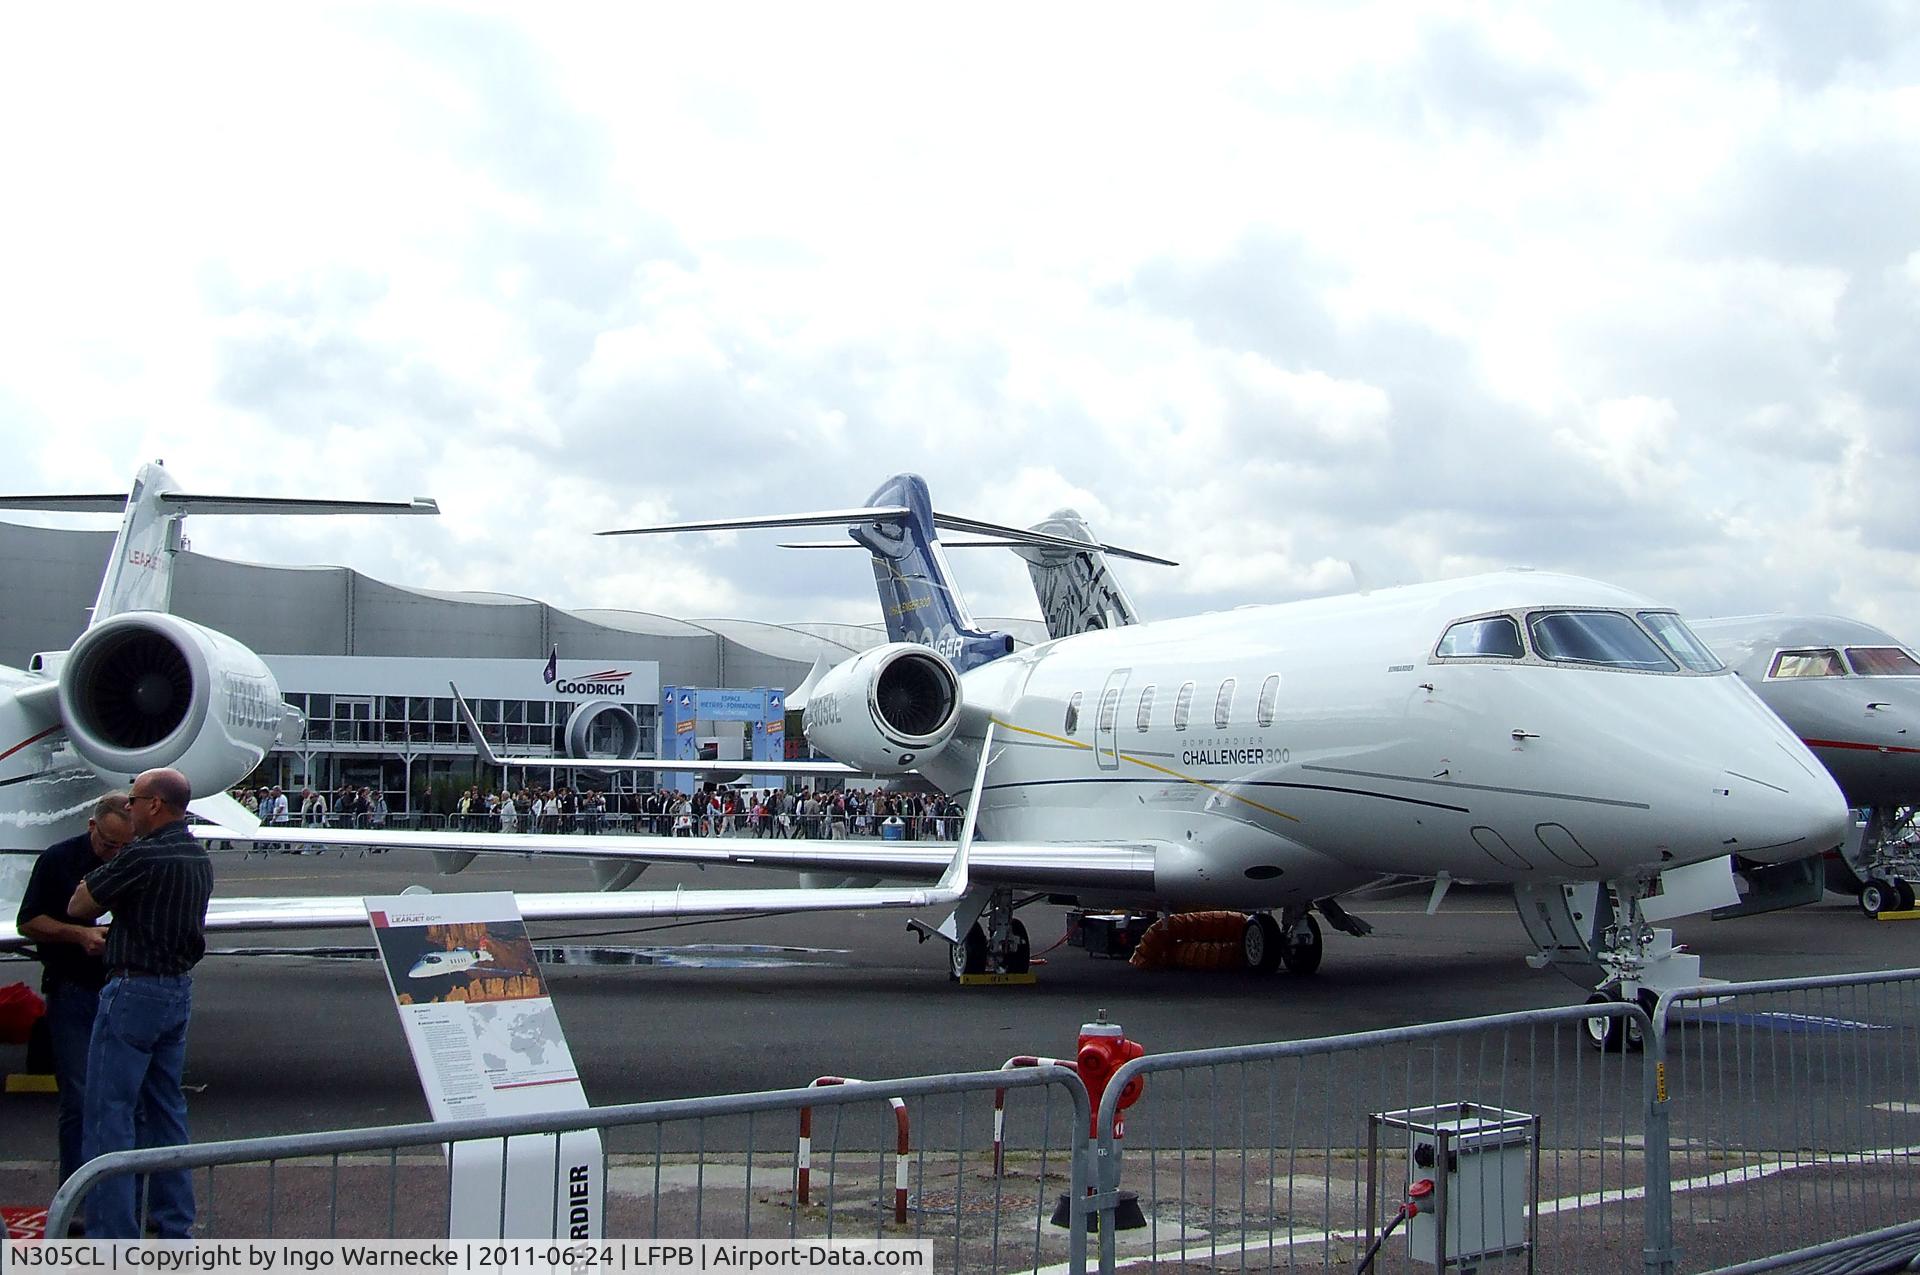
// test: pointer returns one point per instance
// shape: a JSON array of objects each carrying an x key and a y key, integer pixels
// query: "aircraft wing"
[
  {"x": 287, "y": 913},
  {"x": 320, "y": 912},
  {"x": 333, "y": 912},
  {"x": 1102, "y": 866}
]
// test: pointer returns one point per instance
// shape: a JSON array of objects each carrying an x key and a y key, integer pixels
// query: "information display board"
[{"x": 486, "y": 1042}]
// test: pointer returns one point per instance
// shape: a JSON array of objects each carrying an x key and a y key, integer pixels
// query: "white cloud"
[{"x": 1631, "y": 293}]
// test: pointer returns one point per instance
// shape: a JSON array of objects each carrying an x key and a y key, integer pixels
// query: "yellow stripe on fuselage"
[{"x": 1154, "y": 766}]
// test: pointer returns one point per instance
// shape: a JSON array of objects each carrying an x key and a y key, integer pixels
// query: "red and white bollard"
[
  {"x": 803, "y": 1157},
  {"x": 1000, "y": 1103}
]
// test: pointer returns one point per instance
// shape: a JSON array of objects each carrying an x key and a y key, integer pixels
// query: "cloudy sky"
[{"x": 1631, "y": 290}]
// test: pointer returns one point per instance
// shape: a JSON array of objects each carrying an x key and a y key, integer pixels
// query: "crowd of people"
[
  {"x": 710, "y": 810},
  {"x": 349, "y": 807}
]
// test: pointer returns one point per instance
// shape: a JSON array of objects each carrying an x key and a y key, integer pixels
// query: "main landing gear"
[
  {"x": 1294, "y": 941},
  {"x": 996, "y": 943}
]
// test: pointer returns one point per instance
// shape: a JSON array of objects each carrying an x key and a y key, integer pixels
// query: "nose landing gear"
[
  {"x": 1886, "y": 862},
  {"x": 1638, "y": 961},
  {"x": 1879, "y": 894}
]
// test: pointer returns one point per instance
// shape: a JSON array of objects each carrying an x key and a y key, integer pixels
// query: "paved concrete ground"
[{"x": 290, "y": 1043}]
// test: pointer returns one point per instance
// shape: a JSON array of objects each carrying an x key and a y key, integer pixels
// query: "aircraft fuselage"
[{"x": 1348, "y": 747}]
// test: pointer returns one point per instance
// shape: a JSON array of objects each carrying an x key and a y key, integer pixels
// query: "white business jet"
[
  {"x": 1567, "y": 737},
  {"x": 143, "y": 688}
]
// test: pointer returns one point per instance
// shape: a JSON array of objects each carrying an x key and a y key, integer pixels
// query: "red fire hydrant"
[{"x": 1103, "y": 1049}]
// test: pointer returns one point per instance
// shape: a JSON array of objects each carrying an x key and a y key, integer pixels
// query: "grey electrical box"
[{"x": 1484, "y": 1163}]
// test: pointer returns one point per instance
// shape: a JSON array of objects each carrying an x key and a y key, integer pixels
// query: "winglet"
[
  {"x": 220, "y": 808},
  {"x": 479, "y": 736},
  {"x": 954, "y": 882}
]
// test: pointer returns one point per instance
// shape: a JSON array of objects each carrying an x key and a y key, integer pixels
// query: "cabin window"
[
  {"x": 1182, "y": 705},
  {"x": 1496, "y": 635},
  {"x": 1882, "y": 661},
  {"x": 1269, "y": 696},
  {"x": 1605, "y": 638},
  {"x": 1223, "y": 705},
  {"x": 1813, "y": 663},
  {"x": 1073, "y": 713},
  {"x": 1109, "y": 710},
  {"x": 1145, "y": 714},
  {"x": 1680, "y": 642}
]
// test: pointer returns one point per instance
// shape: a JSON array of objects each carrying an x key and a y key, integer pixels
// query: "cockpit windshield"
[
  {"x": 1882, "y": 661},
  {"x": 1680, "y": 642},
  {"x": 1496, "y": 635},
  {"x": 1596, "y": 637},
  {"x": 1813, "y": 663}
]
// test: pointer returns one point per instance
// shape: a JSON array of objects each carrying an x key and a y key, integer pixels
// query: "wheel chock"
[
  {"x": 1911, "y": 914},
  {"x": 1027, "y": 979}
]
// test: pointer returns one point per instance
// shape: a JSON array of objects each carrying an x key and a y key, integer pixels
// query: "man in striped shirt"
[{"x": 157, "y": 890}]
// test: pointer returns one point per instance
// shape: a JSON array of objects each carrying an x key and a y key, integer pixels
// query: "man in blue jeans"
[
  {"x": 72, "y": 956},
  {"x": 157, "y": 890}
]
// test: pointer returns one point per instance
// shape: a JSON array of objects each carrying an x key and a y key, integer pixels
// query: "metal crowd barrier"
[
  {"x": 1792, "y": 1118},
  {"x": 1765, "y": 1126},
  {"x": 1255, "y": 1157},
  {"x": 685, "y": 1168}
]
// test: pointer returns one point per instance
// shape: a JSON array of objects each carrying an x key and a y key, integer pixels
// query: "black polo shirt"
[
  {"x": 56, "y": 872},
  {"x": 157, "y": 889}
]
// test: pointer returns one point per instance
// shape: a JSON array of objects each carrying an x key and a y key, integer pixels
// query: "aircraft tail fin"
[
  {"x": 900, "y": 529},
  {"x": 139, "y": 574},
  {"x": 918, "y": 599},
  {"x": 1077, "y": 592}
]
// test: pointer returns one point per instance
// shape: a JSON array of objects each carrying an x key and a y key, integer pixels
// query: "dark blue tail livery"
[{"x": 917, "y": 595}]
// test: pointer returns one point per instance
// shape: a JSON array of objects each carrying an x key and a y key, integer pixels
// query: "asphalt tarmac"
[{"x": 288, "y": 1043}]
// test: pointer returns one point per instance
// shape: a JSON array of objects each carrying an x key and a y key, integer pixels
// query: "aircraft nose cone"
[{"x": 1784, "y": 816}]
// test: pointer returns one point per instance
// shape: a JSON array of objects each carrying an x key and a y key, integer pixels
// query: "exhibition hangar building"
[{"x": 369, "y": 662}]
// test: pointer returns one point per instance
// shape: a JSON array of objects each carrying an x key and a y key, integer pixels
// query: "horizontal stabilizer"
[
  {"x": 824, "y": 518},
  {"x": 188, "y": 503},
  {"x": 79, "y": 504},
  {"x": 1001, "y": 536},
  {"x": 944, "y": 544}
]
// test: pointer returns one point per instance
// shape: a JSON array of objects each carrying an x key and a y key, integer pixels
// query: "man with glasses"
[
  {"x": 72, "y": 956},
  {"x": 157, "y": 890}
]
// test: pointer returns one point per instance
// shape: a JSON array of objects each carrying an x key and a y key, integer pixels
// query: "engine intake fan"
[
  {"x": 147, "y": 689},
  {"x": 133, "y": 688}
]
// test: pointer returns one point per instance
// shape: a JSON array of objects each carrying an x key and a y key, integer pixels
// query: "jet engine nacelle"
[
  {"x": 615, "y": 725},
  {"x": 885, "y": 710},
  {"x": 148, "y": 689}
]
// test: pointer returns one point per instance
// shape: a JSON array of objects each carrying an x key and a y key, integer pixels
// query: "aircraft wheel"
[
  {"x": 1611, "y": 1035},
  {"x": 1876, "y": 896},
  {"x": 1302, "y": 955},
  {"x": 970, "y": 954},
  {"x": 1020, "y": 960},
  {"x": 1262, "y": 944},
  {"x": 1604, "y": 1034},
  {"x": 1905, "y": 889}
]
